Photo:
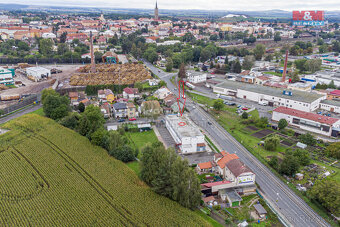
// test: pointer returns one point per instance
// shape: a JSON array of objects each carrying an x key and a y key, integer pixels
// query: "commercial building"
[
  {"x": 6, "y": 76},
  {"x": 195, "y": 78},
  {"x": 38, "y": 73},
  {"x": 306, "y": 101},
  {"x": 307, "y": 121},
  {"x": 187, "y": 136}
]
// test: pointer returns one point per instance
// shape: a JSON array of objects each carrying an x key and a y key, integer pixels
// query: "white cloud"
[{"x": 241, "y": 5}]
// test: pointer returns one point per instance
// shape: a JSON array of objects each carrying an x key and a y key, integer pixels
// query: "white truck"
[{"x": 263, "y": 102}]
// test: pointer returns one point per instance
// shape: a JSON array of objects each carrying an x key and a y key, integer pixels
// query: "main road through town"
[{"x": 292, "y": 210}]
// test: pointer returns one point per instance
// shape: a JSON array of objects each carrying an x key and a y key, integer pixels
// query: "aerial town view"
[{"x": 170, "y": 113}]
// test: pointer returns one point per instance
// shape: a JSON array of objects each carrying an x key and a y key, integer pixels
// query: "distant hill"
[{"x": 52, "y": 176}]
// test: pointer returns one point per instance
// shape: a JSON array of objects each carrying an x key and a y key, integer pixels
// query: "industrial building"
[
  {"x": 38, "y": 73},
  {"x": 330, "y": 105},
  {"x": 6, "y": 76},
  {"x": 187, "y": 136},
  {"x": 306, "y": 101},
  {"x": 307, "y": 121}
]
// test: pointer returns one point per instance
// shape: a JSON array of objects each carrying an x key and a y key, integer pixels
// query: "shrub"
[{"x": 271, "y": 143}]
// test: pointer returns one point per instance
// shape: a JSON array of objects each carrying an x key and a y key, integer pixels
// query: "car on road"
[
  {"x": 121, "y": 120},
  {"x": 209, "y": 123},
  {"x": 132, "y": 119}
]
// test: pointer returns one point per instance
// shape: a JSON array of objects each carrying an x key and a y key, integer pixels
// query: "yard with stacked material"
[
  {"x": 128, "y": 73},
  {"x": 52, "y": 176}
]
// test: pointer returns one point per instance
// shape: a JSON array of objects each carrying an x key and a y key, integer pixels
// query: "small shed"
[
  {"x": 112, "y": 127},
  {"x": 260, "y": 210},
  {"x": 209, "y": 200},
  {"x": 233, "y": 198},
  {"x": 144, "y": 127}
]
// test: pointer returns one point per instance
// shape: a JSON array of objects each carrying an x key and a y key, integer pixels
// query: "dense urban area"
[{"x": 153, "y": 120}]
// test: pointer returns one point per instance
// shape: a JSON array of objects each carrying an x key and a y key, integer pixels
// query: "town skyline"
[{"x": 219, "y": 5}]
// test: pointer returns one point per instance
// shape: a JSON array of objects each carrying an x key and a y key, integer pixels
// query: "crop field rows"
[{"x": 54, "y": 177}]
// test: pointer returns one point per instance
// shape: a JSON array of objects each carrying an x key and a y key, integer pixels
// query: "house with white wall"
[{"x": 195, "y": 78}]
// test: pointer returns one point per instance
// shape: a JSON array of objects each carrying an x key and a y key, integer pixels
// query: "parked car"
[
  {"x": 121, "y": 120},
  {"x": 244, "y": 108},
  {"x": 132, "y": 119}
]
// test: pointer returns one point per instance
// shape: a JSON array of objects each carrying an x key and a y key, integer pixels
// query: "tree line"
[
  {"x": 88, "y": 122},
  {"x": 168, "y": 175}
]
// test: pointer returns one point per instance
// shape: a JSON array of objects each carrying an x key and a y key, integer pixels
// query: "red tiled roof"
[
  {"x": 205, "y": 165},
  {"x": 209, "y": 185},
  {"x": 307, "y": 115},
  {"x": 129, "y": 90},
  {"x": 335, "y": 92},
  {"x": 208, "y": 199},
  {"x": 226, "y": 158}
]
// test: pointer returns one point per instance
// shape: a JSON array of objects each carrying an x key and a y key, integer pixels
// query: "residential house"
[
  {"x": 261, "y": 79},
  {"x": 119, "y": 110},
  {"x": 73, "y": 98},
  {"x": 105, "y": 109},
  {"x": 131, "y": 93},
  {"x": 170, "y": 99},
  {"x": 205, "y": 167},
  {"x": 153, "y": 82},
  {"x": 110, "y": 97},
  {"x": 307, "y": 121},
  {"x": 333, "y": 95},
  {"x": 151, "y": 108},
  {"x": 131, "y": 110},
  {"x": 101, "y": 94},
  {"x": 162, "y": 93},
  {"x": 236, "y": 175}
]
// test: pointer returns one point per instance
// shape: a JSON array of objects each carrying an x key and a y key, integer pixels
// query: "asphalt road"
[
  {"x": 19, "y": 113},
  {"x": 293, "y": 210}
]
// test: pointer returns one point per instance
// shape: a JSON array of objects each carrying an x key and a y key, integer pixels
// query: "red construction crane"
[{"x": 285, "y": 68}]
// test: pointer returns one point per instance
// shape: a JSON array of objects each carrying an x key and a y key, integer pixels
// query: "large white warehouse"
[
  {"x": 187, "y": 136},
  {"x": 305, "y": 101}
]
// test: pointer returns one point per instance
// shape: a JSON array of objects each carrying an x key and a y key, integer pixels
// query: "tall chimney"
[
  {"x": 285, "y": 68},
  {"x": 93, "y": 67}
]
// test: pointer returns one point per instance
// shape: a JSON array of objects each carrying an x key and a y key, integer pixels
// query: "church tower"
[{"x": 156, "y": 12}]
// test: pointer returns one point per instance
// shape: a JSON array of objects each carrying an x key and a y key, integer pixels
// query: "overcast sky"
[{"x": 240, "y": 5}]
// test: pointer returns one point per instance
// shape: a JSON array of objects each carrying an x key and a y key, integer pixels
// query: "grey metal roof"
[
  {"x": 259, "y": 208},
  {"x": 119, "y": 106},
  {"x": 307, "y": 97},
  {"x": 234, "y": 196},
  {"x": 331, "y": 102}
]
